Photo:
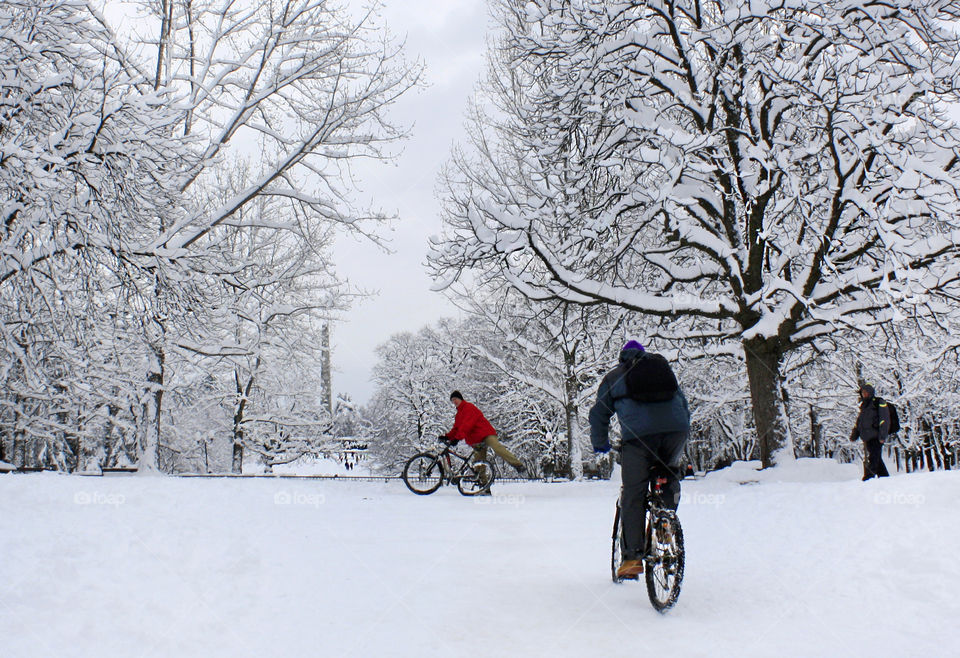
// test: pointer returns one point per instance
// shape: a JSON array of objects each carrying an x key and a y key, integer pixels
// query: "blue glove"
[{"x": 602, "y": 451}]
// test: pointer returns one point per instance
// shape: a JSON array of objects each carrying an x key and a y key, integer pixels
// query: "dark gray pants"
[
  {"x": 637, "y": 457},
  {"x": 873, "y": 465}
]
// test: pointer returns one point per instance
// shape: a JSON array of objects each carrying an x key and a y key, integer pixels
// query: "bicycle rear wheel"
[
  {"x": 476, "y": 479},
  {"x": 616, "y": 548},
  {"x": 423, "y": 474},
  {"x": 665, "y": 559}
]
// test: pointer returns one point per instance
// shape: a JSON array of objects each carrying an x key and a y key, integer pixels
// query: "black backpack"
[
  {"x": 650, "y": 378},
  {"x": 894, "y": 416}
]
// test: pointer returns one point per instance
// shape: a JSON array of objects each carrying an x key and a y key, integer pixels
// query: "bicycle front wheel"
[
  {"x": 423, "y": 474},
  {"x": 665, "y": 558},
  {"x": 476, "y": 478}
]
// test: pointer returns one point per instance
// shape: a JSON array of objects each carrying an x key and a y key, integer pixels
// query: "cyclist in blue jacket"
[{"x": 655, "y": 423}]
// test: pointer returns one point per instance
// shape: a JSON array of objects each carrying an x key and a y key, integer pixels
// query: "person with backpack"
[
  {"x": 655, "y": 421},
  {"x": 874, "y": 425},
  {"x": 473, "y": 427}
]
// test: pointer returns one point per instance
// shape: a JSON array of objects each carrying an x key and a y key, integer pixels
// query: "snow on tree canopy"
[{"x": 763, "y": 173}]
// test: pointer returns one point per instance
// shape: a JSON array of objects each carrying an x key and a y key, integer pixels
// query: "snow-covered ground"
[{"x": 805, "y": 561}]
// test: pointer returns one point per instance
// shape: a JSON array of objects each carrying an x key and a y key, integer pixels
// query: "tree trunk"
[
  {"x": 237, "y": 464},
  {"x": 18, "y": 449},
  {"x": 19, "y": 454},
  {"x": 163, "y": 44},
  {"x": 206, "y": 456},
  {"x": 571, "y": 390},
  {"x": 326, "y": 394},
  {"x": 149, "y": 444},
  {"x": 943, "y": 461},
  {"x": 764, "y": 359},
  {"x": 574, "y": 451},
  {"x": 240, "y": 406},
  {"x": 816, "y": 431},
  {"x": 148, "y": 457}
]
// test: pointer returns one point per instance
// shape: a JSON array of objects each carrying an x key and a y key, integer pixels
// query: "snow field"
[{"x": 802, "y": 561}]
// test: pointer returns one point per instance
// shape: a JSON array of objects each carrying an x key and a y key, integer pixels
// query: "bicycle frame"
[
  {"x": 449, "y": 471},
  {"x": 655, "y": 497},
  {"x": 655, "y": 509}
]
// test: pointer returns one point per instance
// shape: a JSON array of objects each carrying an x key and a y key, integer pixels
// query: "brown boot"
[{"x": 630, "y": 569}]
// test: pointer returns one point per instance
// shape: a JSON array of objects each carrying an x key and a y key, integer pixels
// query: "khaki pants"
[{"x": 498, "y": 448}]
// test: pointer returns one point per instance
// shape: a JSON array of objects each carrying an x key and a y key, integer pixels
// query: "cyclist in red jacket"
[{"x": 472, "y": 426}]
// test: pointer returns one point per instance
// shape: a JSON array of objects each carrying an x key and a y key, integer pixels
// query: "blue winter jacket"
[{"x": 637, "y": 419}]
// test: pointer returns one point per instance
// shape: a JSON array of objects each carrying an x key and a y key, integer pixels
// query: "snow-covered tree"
[
  {"x": 914, "y": 367},
  {"x": 294, "y": 85},
  {"x": 87, "y": 175},
  {"x": 411, "y": 406},
  {"x": 264, "y": 310},
  {"x": 298, "y": 84},
  {"x": 122, "y": 255},
  {"x": 760, "y": 174},
  {"x": 555, "y": 351}
]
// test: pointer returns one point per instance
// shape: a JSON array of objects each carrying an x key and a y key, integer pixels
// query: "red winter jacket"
[{"x": 470, "y": 425}]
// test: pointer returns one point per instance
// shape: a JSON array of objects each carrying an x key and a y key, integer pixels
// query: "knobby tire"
[{"x": 426, "y": 473}]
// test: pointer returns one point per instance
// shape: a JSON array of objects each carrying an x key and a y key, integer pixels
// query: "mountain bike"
[
  {"x": 663, "y": 547},
  {"x": 425, "y": 472}
]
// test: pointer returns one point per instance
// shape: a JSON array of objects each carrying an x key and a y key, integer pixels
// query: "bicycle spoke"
[
  {"x": 476, "y": 478},
  {"x": 423, "y": 474}
]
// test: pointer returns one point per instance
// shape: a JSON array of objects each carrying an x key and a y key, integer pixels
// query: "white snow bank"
[
  {"x": 6, "y": 468},
  {"x": 279, "y": 567},
  {"x": 798, "y": 470}
]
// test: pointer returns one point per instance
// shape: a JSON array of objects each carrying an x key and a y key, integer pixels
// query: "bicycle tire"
[
  {"x": 616, "y": 547},
  {"x": 423, "y": 473},
  {"x": 471, "y": 481},
  {"x": 663, "y": 567}
]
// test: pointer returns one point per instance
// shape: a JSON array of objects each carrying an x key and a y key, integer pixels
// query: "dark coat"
[
  {"x": 637, "y": 419},
  {"x": 873, "y": 422}
]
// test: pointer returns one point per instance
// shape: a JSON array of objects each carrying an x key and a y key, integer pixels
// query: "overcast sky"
[{"x": 449, "y": 37}]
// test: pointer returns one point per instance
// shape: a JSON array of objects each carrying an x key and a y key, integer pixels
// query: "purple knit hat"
[{"x": 632, "y": 345}]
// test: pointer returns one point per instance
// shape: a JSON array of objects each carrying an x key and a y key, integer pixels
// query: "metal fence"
[{"x": 110, "y": 472}]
